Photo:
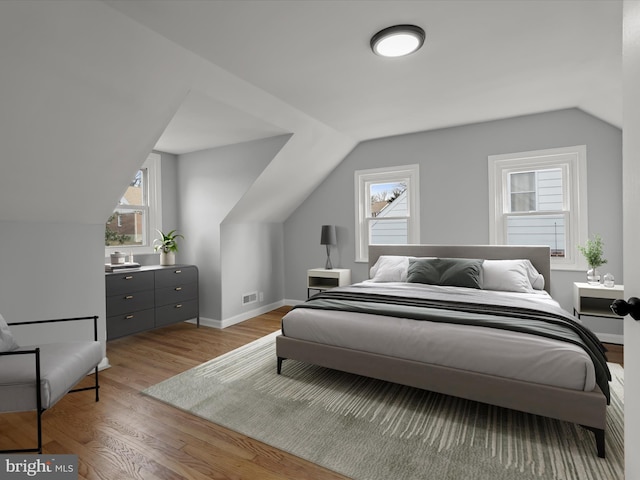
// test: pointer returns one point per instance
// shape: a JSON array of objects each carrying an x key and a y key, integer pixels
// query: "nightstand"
[
  {"x": 323, "y": 279},
  {"x": 595, "y": 300}
]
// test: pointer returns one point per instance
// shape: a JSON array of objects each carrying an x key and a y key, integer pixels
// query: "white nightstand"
[
  {"x": 595, "y": 300},
  {"x": 323, "y": 279}
]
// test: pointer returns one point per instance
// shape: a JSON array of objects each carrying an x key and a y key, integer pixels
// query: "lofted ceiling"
[{"x": 482, "y": 60}]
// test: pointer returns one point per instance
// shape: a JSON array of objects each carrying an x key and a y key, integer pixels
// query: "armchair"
[{"x": 55, "y": 367}]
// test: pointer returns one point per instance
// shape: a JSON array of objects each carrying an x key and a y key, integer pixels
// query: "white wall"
[
  {"x": 211, "y": 182},
  {"x": 52, "y": 270},
  {"x": 631, "y": 185},
  {"x": 252, "y": 261},
  {"x": 86, "y": 93}
]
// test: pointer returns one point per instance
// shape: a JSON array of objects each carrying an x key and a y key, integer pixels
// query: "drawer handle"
[
  {"x": 128, "y": 277},
  {"x": 128, "y": 317},
  {"x": 177, "y": 289},
  {"x": 177, "y": 271},
  {"x": 128, "y": 297},
  {"x": 179, "y": 305}
]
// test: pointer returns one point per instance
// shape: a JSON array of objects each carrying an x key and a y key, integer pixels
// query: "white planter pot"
[{"x": 167, "y": 258}]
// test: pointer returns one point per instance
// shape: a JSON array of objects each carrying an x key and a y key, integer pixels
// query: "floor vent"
[{"x": 248, "y": 298}]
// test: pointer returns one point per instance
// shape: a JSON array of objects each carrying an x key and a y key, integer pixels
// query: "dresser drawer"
[
  {"x": 130, "y": 302},
  {"x": 168, "y": 277},
  {"x": 176, "y": 294},
  {"x": 177, "y": 312},
  {"x": 127, "y": 282},
  {"x": 127, "y": 324}
]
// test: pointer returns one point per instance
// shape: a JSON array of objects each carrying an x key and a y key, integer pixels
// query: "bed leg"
[
  {"x": 599, "y": 433},
  {"x": 280, "y": 359}
]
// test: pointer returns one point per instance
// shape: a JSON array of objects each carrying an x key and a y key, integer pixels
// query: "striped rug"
[{"x": 375, "y": 430}]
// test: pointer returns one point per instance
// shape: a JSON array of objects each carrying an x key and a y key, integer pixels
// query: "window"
[
  {"x": 387, "y": 208},
  {"x": 539, "y": 198},
  {"x": 137, "y": 216}
]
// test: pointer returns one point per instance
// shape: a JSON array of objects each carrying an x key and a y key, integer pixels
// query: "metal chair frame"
[{"x": 36, "y": 353}]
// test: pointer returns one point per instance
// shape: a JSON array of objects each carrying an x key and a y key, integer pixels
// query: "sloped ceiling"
[
  {"x": 89, "y": 88},
  {"x": 482, "y": 60}
]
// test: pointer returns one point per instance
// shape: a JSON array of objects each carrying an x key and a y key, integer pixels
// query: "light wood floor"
[{"x": 129, "y": 436}]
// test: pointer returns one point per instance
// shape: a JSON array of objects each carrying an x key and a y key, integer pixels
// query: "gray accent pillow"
[
  {"x": 7, "y": 343},
  {"x": 455, "y": 272}
]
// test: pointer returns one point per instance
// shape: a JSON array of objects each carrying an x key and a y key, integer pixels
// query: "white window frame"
[
  {"x": 410, "y": 174},
  {"x": 153, "y": 179},
  {"x": 573, "y": 162}
]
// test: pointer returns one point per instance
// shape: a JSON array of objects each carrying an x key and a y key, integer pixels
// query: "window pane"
[
  {"x": 523, "y": 182},
  {"x": 538, "y": 230},
  {"x": 135, "y": 192},
  {"x": 388, "y": 232},
  {"x": 382, "y": 196},
  {"x": 550, "y": 190},
  {"x": 523, "y": 191},
  {"x": 523, "y": 202},
  {"x": 125, "y": 228}
]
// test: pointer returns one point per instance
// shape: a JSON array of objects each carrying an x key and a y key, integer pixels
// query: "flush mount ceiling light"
[{"x": 397, "y": 41}]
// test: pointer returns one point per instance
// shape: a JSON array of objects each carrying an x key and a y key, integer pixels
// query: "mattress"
[{"x": 480, "y": 349}]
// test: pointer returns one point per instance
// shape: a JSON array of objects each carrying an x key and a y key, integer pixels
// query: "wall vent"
[{"x": 248, "y": 298}]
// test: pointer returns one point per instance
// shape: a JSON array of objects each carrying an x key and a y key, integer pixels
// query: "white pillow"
[
  {"x": 390, "y": 268},
  {"x": 535, "y": 278},
  {"x": 7, "y": 343},
  {"x": 507, "y": 276}
]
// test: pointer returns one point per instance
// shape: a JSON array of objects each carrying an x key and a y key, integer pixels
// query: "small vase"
[
  {"x": 169, "y": 258},
  {"x": 593, "y": 276}
]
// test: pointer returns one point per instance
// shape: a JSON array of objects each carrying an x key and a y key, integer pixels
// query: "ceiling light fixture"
[{"x": 397, "y": 41}]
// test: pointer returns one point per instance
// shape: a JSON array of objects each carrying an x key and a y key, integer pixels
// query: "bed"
[{"x": 482, "y": 333}]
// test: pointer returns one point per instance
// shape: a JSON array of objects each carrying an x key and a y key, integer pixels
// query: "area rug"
[{"x": 375, "y": 430}]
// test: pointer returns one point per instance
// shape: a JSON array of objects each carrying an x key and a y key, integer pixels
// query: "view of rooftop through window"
[{"x": 388, "y": 213}]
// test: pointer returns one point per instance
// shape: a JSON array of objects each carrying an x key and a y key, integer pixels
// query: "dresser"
[{"x": 150, "y": 297}]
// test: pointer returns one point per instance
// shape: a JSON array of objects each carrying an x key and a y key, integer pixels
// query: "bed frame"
[{"x": 588, "y": 409}]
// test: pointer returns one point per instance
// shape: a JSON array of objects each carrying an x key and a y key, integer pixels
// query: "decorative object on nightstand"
[
  {"x": 326, "y": 278},
  {"x": 328, "y": 238},
  {"x": 608, "y": 280},
  {"x": 168, "y": 246},
  {"x": 592, "y": 251},
  {"x": 595, "y": 300}
]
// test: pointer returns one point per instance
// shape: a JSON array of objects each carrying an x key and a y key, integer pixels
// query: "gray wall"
[
  {"x": 51, "y": 270},
  {"x": 454, "y": 192},
  {"x": 211, "y": 182},
  {"x": 252, "y": 261}
]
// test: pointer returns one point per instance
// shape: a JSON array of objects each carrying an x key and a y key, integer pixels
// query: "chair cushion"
[
  {"x": 62, "y": 366},
  {"x": 7, "y": 343}
]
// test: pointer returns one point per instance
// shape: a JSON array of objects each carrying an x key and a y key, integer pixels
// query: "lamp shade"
[{"x": 328, "y": 236}]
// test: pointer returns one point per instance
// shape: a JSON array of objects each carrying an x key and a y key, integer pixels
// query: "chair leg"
[
  {"x": 97, "y": 386},
  {"x": 40, "y": 430}
]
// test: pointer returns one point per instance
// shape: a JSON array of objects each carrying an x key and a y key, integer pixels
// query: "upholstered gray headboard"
[{"x": 540, "y": 256}]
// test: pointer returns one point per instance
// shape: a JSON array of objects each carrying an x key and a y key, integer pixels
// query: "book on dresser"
[{"x": 150, "y": 297}]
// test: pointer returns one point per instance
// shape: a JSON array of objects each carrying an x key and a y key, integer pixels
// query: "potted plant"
[
  {"x": 168, "y": 246},
  {"x": 592, "y": 251}
]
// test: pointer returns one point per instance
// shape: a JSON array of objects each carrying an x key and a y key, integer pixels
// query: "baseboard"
[
  {"x": 289, "y": 302},
  {"x": 611, "y": 338},
  {"x": 227, "y": 322}
]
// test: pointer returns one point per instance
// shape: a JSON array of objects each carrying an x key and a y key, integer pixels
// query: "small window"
[
  {"x": 539, "y": 198},
  {"x": 135, "y": 219},
  {"x": 387, "y": 208}
]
